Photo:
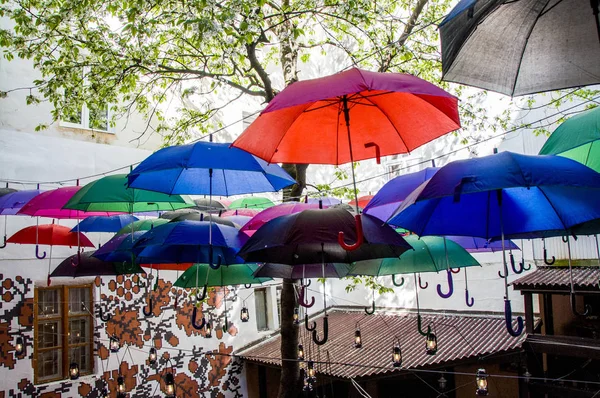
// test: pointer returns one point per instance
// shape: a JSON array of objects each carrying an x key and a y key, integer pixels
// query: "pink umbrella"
[{"x": 276, "y": 211}]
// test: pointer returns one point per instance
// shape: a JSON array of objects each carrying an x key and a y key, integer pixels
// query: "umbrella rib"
[
  {"x": 393, "y": 126},
  {"x": 553, "y": 208}
]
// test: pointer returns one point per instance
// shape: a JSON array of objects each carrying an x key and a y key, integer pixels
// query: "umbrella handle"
[
  {"x": 508, "y": 320},
  {"x": 104, "y": 317},
  {"x": 396, "y": 283},
  {"x": 37, "y": 253},
  {"x": 325, "y": 332},
  {"x": 574, "y": 307},
  {"x": 454, "y": 271},
  {"x": 247, "y": 285},
  {"x": 359, "y": 236},
  {"x": 226, "y": 325},
  {"x": 308, "y": 284},
  {"x": 524, "y": 267},
  {"x": 149, "y": 311},
  {"x": 420, "y": 326},
  {"x": 309, "y": 328},
  {"x": 470, "y": 301},
  {"x": 203, "y": 296},
  {"x": 546, "y": 258},
  {"x": 425, "y": 286},
  {"x": 176, "y": 301},
  {"x": 3, "y": 245},
  {"x": 377, "y": 151},
  {"x": 194, "y": 324},
  {"x": 218, "y": 264},
  {"x": 516, "y": 270},
  {"x": 450, "y": 286},
  {"x": 501, "y": 275},
  {"x": 370, "y": 311},
  {"x": 301, "y": 297}
]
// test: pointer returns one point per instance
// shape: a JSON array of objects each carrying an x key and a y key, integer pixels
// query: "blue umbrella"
[
  {"x": 207, "y": 168},
  {"x": 119, "y": 248},
  {"x": 473, "y": 244},
  {"x": 506, "y": 195},
  {"x": 389, "y": 197},
  {"x": 104, "y": 223}
]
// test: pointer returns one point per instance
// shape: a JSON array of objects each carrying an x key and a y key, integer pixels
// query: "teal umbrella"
[
  {"x": 578, "y": 138},
  {"x": 142, "y": 225}
]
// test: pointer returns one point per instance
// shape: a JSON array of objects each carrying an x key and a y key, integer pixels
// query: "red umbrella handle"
[
  {"x": 377, "y": 151},
  {"x": 359, "y": 236}
]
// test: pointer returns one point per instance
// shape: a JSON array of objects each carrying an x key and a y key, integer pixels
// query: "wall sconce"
[
  {"x": 244, "y": 314},
  {"x": 152, "y": 356},
  {"x": 114, "y": 344},
  {"x": 397, "y": 356}
]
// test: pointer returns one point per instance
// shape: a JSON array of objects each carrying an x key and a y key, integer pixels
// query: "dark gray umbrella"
[
  {"x": 522, "y": 47},
  {"x": 210, "y": 206},
  {"x": 203, "y": 217},
  {"x": 86, "y": 265}
]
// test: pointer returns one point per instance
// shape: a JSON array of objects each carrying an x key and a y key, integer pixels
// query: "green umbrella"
[
  {"x": 111, "y": 194},
  {"x": 142, "y": 225},
  {"x": 578, "y": 138},
  {"x": 235, "y": 274},
  {"x": 251, "y": 202}
]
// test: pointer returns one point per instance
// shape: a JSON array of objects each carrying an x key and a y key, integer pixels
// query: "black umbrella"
[
  {"x": 198, "y": 216},
  {"x": 522, "y": 47},
  {"x": 311, "y": 237},
  {"x": 86, "y": 265}
]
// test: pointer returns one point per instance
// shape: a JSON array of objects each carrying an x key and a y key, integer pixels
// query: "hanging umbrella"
[
  {"x": 362, "y": 201},
  {"x": 503, "y": 196},
  {"x": 473, "y": 244},
  {"x": 50, "y": 204},
  {"x": 578, "y": 138},
  {"x": 87, "y": 265},
  {"x": 11, "y": 203},
  {"x": 110, "y": 193},
  {"x": 240, "y": 212},
  {"x": 324, "y": 201},
  {"x": 104, "y": 224},
  {"x": 169, "y": 215},
  {"x": 119, "y": 248},
  {"x": 202, "y": 217},
  {"x": 234, "y": 274},
  {"x": 142, "y": 225},
  {"x": 210, "y": 205},
  {"x": 6, "y": 191},
  {"x": 276, "y": 211},
  {"x": 530, "y": 46},
  {"x": 389, "y": 197},
  {"x": 238, "y": 220},
  {"x": 251, "y": 202},
  {"x": 332, "y": 270}
]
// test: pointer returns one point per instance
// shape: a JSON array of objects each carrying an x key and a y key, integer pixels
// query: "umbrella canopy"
[
  {"x": 311, "y": 237},
  {"x": 168, "y": 266},
  {"x": 85, "y": 264},
  {"x": 251, "y": 202},
  {"x": 12, "y": 202},
  {"x": 104, "y": 224},
  {"x": 240, "y": 212},
  {"x": 204, "y": 168},
  {"x": 539, "y": 194},
  {"x": 325, "y": 201},
  {"x": 530, "y": 45},
  {"x": 6, "y": 191},
  {"x": 389, "y": 113},
  {"x": 578, "y": 138},
  {"x": 332, "y": 270},
  {"x": 110, "y": 193},
  {"x": 430, "y": 254},
  {"x": 50, "y": 204},
  {"x": 210, "y": 206},
  {"x": 389, "y": 197},
  {"x": 276, "y": 211},
  {"x": 142, "y": 225},
  {"x": 119, "y": 247},
  {"x": 363, "y": 201},
  {"x": 49, "y": 234},
  {"x": 202, "y": 217},
  {"x": 480, "y": 245},
  {"x": 169, "y": 215},
  {"x": 239, "y": 220},
  {"x": 234, "y": 274}
]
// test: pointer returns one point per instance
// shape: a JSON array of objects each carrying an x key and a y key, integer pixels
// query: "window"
[
  {"x": 262, "y": 314},
  {"x": 63, "y": 332},
  {"x": 88, "y": 116}
]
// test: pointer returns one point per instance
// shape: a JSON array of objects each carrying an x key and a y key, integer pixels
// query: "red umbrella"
[{"x": 362, "y": 201}]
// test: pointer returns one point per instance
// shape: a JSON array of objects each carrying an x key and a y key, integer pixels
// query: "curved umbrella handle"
[
  {"x": 104, "y": 317},
  {"x": 203, "y": 296},
  {"x": 247, "y": 285},
  {"x": 508, "y": 320},
  {"x": 420, "y": 326},
  {"x": 513, "y": 266},
  {"x": 176, "y": 301},
  {"x": 501, "y": 275},
  {"x": 194, "y": 324},
  {"x": 359, "y": 236},
  {"x": 450, "y": 287},
  {"x": 325, "y": 332},
  {"x": 377, "y": 151},
  {"x": 587, "y": 308},
  {"x": 307, "y": 284},
  {"x": 370, "y": 311},
  {"x": 470, "y": 301},
  {"x": 546, "y": 258},
  {"x": 37, "y": 253},
  {"x": 524, "y": 266},
  {"x": 149, "y": 311},
  {"x": 309, "y": 328},
  {"x": 210, "y": 261},
  {"x": 301, "y": 298},
  {"x": 3, "y": 245},
  {"x": 225, "y": 327},
  {"x": 396, "y": 283},
  {"x": 455, "y": 271},
  {"x": 425, "y": 286}
]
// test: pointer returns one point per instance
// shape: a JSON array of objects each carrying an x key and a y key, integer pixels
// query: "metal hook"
[
  {"x": 3, "y": 245},
  {"x": 359, "y": 236},
  {"x": 470, "y": 302},
  {"x": 508, "y": 320},
  {"x": 301, "y": 298},
  {"x": 325, "y": 332},
  {"x": 194, "y": 324},
  {"x": 149, "y": 311},
  {"x": 421, "y": 285},
  {"x": 309, "y": 328},
  {"x": 587, "y": 308},
  {"x": 450, "y": 286},
  {"x": 396, "y": 283},
  {"x": 372, "y": 310},
  {"x": 37, "y": 253}
]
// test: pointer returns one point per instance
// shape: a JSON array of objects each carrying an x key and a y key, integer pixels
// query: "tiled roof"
[
  {"x": 559, "y": 277},
  {"x": 459, "y": 338}
]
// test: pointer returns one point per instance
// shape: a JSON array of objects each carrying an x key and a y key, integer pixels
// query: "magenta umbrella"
[{"x": 276, "y": 211}]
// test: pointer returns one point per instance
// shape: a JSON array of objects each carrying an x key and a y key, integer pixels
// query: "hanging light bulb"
[
  {"x": 169, "y": 385},
  {"x": 357, "y": 338},
  {"x": 114, "y": 344},
  {"x": 300, "y": 352},
  {"x": 296, "y": 316},
  {"x": 310, "y": 371},
  {"x": 397, "y": 356},
  {"x": 430, "y": 343},
  {"x": 481, "y": 381},
  {"x": 244, "y": 314},
  {"x": 152, "y": 356},
  {"x": 19, "y": 346},
  {"x": 74, "y": 371},
  {"x": 208, "y": 333},
  {"x": 120, "y": 387}
]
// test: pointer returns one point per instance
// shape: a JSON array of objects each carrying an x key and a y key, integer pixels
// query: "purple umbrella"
[
  {"x": 276, "y": 211},
  {"x": 12, "y": 202},
  {"x": 116, "y": 243},
  {"x": 389, "y": 197}
]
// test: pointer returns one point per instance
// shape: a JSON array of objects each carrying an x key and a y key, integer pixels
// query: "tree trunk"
[{"x": 290, "y": 383}]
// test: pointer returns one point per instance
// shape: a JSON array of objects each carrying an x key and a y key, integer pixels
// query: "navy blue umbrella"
[
  {"x": 207, "y": 168},
  {"x": 506, "y": 195},
  {"x": 119, "y": 247},
  {"x": 104, "y": 223}
]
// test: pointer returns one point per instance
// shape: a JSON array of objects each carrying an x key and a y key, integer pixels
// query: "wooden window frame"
[{"x": 64, "y": 335}]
